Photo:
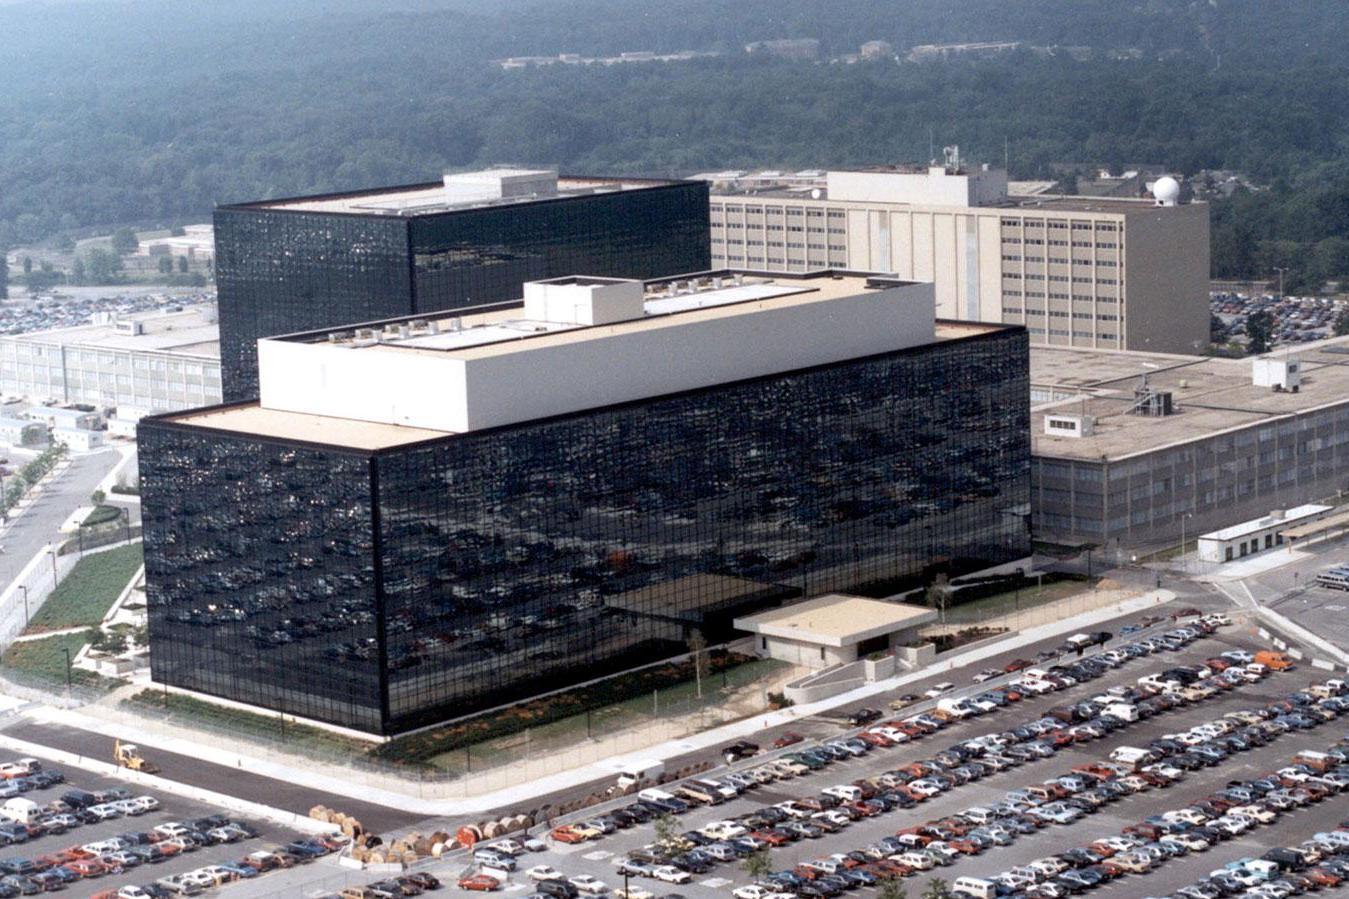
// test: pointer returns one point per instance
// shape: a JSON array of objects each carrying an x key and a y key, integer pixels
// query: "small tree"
[
  {"x": 182, "y": 264},
  {"x": 667, "y": 835},
  {"x": 892, "y": 889},
  {"x": 97, "y": 497},
  {"x": 28, "y": 265},
  {"x": 937, "y": 889},
  {"x": 165, "y": 265},
  {"x": 1342, "y": 323},
  {"x": 1259, "y": 328},
  {"x": 697, "y": 644},
  {"x": 758, "y": 864},
  {"x": 939, "y": 594},
  {"x": 124, "y": 241}
]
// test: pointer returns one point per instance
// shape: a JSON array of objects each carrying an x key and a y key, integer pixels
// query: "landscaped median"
[
  {"x": 176, "y": 708},
  {"x": 85, "y": 595},
  {"x": 43, "y": 662}
]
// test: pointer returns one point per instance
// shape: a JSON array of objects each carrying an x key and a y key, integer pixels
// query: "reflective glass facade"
[
  {"x": 280, "y": 271},
  {"x": 394, "y": 589}
]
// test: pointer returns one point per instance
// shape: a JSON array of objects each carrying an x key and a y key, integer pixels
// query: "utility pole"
[
  {"x": 1281, "y": 272},
  {"x": 1182, "y": 538}
]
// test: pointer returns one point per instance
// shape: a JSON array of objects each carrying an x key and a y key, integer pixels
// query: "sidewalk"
[{"x": 520, "y": 793}]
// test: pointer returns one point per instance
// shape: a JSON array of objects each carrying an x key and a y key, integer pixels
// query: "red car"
[
  {"x": 1017, "y": 665},
  {"x": 565, "y": 834},
  {"x": 483, "y": 882},
  {"x": 787, "y": 739},
  {"x": 88, "y": 867}
]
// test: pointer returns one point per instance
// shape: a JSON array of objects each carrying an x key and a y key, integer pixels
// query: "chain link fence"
[{"x": 630, "y": 726}]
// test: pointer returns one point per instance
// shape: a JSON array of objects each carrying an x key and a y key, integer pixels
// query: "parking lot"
[
  {"x": 170, "y": 809},
  {"x": 596, "y": 857}
]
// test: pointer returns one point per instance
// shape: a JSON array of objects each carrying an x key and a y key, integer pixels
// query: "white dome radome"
[{"x": 1166, "y": 190}]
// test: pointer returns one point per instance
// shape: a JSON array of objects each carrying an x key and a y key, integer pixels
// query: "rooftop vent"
[
  {"x": 1151, "y": 402},
  {"x": 1278, "y": 373},
  {"x": 1070, "y": 425}
]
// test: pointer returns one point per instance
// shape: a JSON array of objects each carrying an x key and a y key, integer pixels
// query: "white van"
[
  {"x": 1124, "y": 711},
  {"x": 844, "y": 792},
  {"x": 976, "y": 887},
  {"x": 24, "y": 811},
  {"x": 1132, "y": 756},
  {"x": 636, "y": 772},
  {"x": 651, "y": 794}
]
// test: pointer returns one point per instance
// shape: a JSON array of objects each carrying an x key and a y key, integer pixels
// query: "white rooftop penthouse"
[{"x": 582, "y": 342}]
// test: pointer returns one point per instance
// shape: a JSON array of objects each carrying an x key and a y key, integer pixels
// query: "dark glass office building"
[
  {"x": 387, "y": 587},
  {"x": 284, "y": 266}
]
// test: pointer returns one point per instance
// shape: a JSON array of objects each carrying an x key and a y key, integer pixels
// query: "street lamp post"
[
  {"x": 66, "y": 650},
  {"x": 52, "y": 550},
  {"x": 1281, "y": 272},
  {"x": 1182, "y": 539},
  {"x": 24, "y": 588}
]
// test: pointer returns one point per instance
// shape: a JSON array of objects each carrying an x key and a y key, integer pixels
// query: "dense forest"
[{"x": 148, "y": 112}]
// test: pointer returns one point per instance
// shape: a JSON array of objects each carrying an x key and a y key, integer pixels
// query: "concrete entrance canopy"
[{"x": 833, "y": 629}]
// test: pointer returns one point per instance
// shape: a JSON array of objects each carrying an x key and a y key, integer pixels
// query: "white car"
[
  {"x": 987, "y": 674},
  {"x": 755, "y": 891},
  {"x": 670, "y": 874},
  {"x": 723, "y": 830},
  {"x": 938, "y": 689},
  {"x": 132, "y": 892},
  {"x": 544, "y": 872},
  {"x": 634, "y": 892},
  {"x": 509, "y": 847},
  {"x": 920, "y": 861},
  {"x": 891, "y": 734},
  {"x": 587, "y": 884}
]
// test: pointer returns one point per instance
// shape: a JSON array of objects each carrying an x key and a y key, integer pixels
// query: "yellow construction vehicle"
[{"x": 127, "y": 755}]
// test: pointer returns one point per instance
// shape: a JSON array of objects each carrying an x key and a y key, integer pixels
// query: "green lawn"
[
  {"x": 1007, "y": 603},
  {"x": 101, "y": 515},
  {"x": 86, "y": 594},
  {"x": 44, "y": 661}
]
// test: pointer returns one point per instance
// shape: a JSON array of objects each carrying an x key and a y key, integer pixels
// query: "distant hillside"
[{"x": 147, "y": 112}]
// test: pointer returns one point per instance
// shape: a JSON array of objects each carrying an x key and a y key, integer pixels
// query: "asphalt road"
[
  {"x": 26, "y": 535},
  {"x": 218, "y": 778},
  {"x": 595, "y": 858},
  {"x": 172, "y": 808}
]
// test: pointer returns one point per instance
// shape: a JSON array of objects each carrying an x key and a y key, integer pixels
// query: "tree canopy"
[{"x": 148, "y": 112}]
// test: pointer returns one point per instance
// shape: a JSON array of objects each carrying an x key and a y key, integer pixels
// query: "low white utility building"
[
  {"x": 1250, "y": 537},
  {"x": 833, "y": 629}
]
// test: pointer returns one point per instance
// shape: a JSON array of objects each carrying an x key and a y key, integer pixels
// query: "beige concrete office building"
[
  {"x": 1076, "y": 271},
  {"x": 1133, "y": 451},
  {"x": 147, "y": 361}
]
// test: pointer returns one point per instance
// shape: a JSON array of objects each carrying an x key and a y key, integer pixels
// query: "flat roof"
[
  {"x": 1020, "y": 203},
  {"x": 429, "y": 198},
  {"x": 1210, "y": 396},
  {"x": 836, "y": 619},
  {"x": 189, "y": 332},
  {"x": 1331, "y": 523},
  {"x": 1246, "y": 528},
  {"x": 252, "y": 420},
  {"x": 502, "y": 332}
]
